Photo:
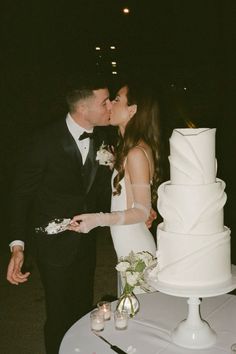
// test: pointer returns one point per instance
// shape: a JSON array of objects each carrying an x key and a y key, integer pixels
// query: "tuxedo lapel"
[
  {"x": 70, "y": 147},
  {"x": 90, "y": 167}
]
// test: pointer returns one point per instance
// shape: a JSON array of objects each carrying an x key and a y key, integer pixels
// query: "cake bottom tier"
[{"x": 193, "y": 260}]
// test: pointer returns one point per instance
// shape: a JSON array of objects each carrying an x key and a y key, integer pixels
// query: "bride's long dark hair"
[{"x": 143, "y": 126}]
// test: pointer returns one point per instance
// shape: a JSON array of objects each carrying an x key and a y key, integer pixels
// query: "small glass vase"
[{"x": 129, "y": 303}]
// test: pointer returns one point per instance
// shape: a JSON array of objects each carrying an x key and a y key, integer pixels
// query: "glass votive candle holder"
[
  {"x": 97, "y": 320},
  {"x": 105, "y": 308},
  {"x": 233, "y": 348},
  {"x": 121, "y": 319}
]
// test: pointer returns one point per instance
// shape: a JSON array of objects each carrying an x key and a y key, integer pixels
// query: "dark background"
[{"x": 184, "y": 47}]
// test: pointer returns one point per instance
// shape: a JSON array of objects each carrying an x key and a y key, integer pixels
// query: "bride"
[{"x": 136, "y": 173}]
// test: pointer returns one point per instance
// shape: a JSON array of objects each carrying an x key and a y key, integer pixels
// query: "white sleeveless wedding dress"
[{"x": 127, "y": 238}]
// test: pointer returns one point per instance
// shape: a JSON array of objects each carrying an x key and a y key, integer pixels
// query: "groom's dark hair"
[{"x": 82, "y": 87}]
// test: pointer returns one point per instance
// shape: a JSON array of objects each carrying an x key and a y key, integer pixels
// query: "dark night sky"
[
  {"x": 190, "y": 43},
  {"x": 175, "y": 34}
]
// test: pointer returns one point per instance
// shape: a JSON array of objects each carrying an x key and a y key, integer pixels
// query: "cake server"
[{"x": 113, "y": 347}]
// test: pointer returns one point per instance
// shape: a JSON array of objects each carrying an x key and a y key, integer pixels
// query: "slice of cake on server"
[{"x": 193, "y": 243}]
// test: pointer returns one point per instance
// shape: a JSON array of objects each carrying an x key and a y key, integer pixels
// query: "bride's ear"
[{"x": 132, "y": 110}]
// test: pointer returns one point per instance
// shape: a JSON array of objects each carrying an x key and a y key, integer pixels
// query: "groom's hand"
[{"x": 14, "y": 274}]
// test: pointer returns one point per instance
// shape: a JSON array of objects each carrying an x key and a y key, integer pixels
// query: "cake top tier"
[{"x": 192, "y": 156}]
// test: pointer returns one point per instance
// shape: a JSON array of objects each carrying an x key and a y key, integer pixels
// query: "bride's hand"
[
  {"x": 84, "y": 223},
  {"x": 151, "y": 218}
]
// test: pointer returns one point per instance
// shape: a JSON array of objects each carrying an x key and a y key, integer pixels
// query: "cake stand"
[{"x": 194, "y": 332}]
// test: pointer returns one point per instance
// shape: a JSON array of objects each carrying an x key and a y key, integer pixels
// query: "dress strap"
[{"x": 146, "y": 154}]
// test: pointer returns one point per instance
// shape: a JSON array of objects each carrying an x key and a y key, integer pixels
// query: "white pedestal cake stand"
[{"x": 194, "y": 332}]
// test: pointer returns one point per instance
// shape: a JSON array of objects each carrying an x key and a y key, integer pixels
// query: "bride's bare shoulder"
[
  {"x": 140, "y": 150},
  {"x": 137, "y": 154}
]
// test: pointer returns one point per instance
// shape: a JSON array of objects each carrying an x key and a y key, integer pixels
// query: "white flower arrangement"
[
  {"x": 132, "y": 268},
  {"x": 104, "y": 156}
]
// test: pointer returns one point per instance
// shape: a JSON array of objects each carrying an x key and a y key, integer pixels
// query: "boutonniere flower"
[{"x": 105, "y": 156}]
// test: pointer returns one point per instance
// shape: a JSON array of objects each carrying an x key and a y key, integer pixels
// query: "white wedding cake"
[{"x": 193, "y": 243}]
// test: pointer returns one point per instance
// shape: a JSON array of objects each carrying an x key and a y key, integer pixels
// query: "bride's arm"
[{"x": 138, "y": 169}]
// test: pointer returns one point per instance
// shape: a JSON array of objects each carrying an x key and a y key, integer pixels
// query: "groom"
[{"x": 58, "y": 177}]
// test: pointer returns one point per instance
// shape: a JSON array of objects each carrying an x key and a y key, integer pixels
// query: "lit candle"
[
  {"x": 105, "y": 308},
  {"x": 97, "y": 320},
  {"x": 121, "y": 319}
]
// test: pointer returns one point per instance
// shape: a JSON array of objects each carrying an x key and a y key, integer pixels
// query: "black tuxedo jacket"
[{"x": 51, "y": 182}]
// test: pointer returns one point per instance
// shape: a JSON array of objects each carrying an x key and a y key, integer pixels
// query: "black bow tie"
[{"x": 86, "y": 135}]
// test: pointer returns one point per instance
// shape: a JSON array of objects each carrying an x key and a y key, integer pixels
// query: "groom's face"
[{"x": 98, "y": 108}]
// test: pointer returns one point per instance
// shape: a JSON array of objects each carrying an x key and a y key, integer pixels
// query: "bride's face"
[{"x": 121, "y": 113}]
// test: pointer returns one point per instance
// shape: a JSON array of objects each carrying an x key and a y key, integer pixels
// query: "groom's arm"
[
  {"x": 28, "y": 175},
  {"x": 14, "y": 274}
]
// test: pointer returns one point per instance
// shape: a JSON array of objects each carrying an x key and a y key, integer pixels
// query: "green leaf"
[
  {"x": 128, "y": 288},
  {"x": 140, "y": 266}
]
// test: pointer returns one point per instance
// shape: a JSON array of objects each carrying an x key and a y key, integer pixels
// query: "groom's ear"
[
  {"x": 132, "y": 110},
  {"x": 82, "y": 107}
]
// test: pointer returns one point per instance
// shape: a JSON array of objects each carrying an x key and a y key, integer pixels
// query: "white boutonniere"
[{"x": 104, "y": 156}]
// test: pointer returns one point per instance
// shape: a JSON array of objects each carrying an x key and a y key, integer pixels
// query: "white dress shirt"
[{"x": 76, "y": 130}]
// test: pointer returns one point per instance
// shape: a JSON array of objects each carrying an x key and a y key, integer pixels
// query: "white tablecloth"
[{"x": 149, "y": 332}]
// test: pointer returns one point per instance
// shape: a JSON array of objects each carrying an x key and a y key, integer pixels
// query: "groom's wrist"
[{"x": 17, "y": 245}]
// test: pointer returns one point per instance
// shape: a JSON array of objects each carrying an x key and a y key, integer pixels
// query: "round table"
[{"x": 149, "y": 331}]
